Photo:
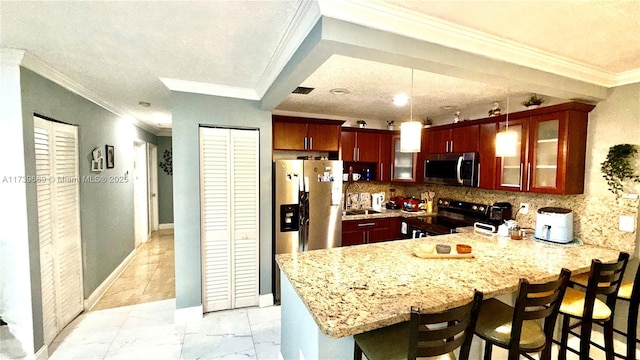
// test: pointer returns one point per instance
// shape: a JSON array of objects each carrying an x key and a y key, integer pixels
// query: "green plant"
[
  {"x": 533, "y": 100},
  {"x": 618, "y": 167}
]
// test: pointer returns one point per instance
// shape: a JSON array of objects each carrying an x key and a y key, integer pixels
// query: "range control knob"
[
  {"x": 446, "y": 203},
  {"x": 481, "y": 208},
  {"x": 440, "y": 202},
  {"x": 474, "y": 207}
]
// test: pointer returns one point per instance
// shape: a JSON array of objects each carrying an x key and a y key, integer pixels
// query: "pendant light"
[
  {"x": 410, "y": 131},
  {"x": 506, "y": 141}
]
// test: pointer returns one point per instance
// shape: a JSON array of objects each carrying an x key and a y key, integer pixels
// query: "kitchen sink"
[{"x": 362, "y": 212}]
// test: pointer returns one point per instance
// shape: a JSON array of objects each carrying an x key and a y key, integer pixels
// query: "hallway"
[{"x": 149, "y": 277}]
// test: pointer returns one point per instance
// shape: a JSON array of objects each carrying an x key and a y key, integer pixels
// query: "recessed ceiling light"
[
  {"x": 144, "y": 103},
  {"x": 339, "y": 91},
  {"x": 400, "y": 100},
  {"x": 446, "y": 107}
]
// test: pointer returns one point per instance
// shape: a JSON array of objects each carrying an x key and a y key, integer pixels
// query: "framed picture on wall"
[{"x": 110, "y": 156}]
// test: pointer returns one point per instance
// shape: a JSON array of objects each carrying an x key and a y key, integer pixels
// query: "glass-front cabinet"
[
  {"x": 404, "y": 164},
  {"x": 545, "y": 150}
]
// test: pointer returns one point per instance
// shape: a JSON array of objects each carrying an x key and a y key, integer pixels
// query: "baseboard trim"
[
  {"x": 165, "y": 226},
  {"x": 42, "y": 354},
  {"x": 93, "y": 299},
  {"x": 265, "y": 300},
  {"x": 185, "y": 315}
]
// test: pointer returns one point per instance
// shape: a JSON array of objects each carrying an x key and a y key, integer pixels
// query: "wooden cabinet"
[
  {"x": 360, "y": 145},
  {"x": 487, "y": 156},
  {"x": 551, "y": 151},
  {"x": 404, "y": 164},
  {"x": 384, "y": 164},
  {"x": 463, "y": 138},
  {"x": 296, "y": 133},
  {"x": 356, "y": 232},
  {"x": 395, "y": 226}
]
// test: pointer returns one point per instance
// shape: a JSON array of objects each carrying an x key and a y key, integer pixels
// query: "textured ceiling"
[
  {"x": 601, "y": 34},
  {"x": 373, "y": 85},
  {"x": 120, "y": 50}
]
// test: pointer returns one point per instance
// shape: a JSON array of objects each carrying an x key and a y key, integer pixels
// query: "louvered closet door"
[
  {"x": 229, "y": 210},
  {"x": 56, "y": 149}
]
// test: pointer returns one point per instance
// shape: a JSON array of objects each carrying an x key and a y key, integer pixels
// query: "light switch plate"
[{"x": 626, "y": 223}]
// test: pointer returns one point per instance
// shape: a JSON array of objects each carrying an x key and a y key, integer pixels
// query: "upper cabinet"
[
  {"x": 551, "y": 151},
  {"x": 463, "y": 138},
  {"x": 296, "y": 133},
  {"x": 404, "y": 164},
  {"x": 360, "y": 145}
]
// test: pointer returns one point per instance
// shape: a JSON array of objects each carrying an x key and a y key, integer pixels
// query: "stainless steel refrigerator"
[{"x": 307, "y": 198}]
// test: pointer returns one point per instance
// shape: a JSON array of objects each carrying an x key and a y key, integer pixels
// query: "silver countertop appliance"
[{"x": 554, "y": 224}]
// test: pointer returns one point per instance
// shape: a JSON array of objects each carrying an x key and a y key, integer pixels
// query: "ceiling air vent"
[{"x": 302, "y": 90}]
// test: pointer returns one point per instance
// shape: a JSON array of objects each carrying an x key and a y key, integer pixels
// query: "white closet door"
[
  {"x": 56, "y": 148},
  {"x": 229, "y": 210},
  {"x": 245, "y": 216},
  {"x": 215, "y": 164}
]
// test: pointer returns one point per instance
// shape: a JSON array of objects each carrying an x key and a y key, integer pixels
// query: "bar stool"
[
  {"x": 630, "y": 292},
  {"x": 515, "y": 328},
  {"x": 604, "y": 279},
  {"x": 414, "y": 338}
]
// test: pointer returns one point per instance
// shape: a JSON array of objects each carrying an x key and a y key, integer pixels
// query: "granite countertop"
[
  {"x": 354, "y": 289},
  {"x": 386, "y": 213}
]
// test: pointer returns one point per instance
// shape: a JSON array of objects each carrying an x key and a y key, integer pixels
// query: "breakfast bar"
[{"x": 330, "y": 295}]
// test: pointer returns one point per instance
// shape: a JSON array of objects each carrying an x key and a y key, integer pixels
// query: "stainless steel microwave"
[{"x": 452, "y": 169}]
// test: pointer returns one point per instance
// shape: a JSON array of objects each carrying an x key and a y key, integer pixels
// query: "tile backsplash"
[{"x": 595, "y": 219}]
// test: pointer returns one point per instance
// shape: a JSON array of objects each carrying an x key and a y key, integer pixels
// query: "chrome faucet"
[{"x": 346, "y": 192}]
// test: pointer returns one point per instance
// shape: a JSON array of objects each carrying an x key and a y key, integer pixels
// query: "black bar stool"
[
  {"x": 414, "y": 338},
  {"x": 515, "y": 328},
  {"x": 604, "y": 279},
  {"x": 630, "y": 292}
]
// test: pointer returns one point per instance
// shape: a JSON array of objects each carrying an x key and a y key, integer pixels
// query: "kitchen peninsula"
[{"x": 330, "y": 295}]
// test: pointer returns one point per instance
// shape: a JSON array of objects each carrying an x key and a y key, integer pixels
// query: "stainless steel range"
[{"x": 451, "y": 214}]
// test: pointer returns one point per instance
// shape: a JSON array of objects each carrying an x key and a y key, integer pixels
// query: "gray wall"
[
  {"x": 165, "y": 184},
  {"x": 189, "y": 112},
  {"x": 106, "y": 209}
]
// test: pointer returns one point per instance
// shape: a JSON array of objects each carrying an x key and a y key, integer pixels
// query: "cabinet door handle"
[
  {"x": 528, "y": 176},
  {"x": 305, "y": 143},
  {"x": 364, "y": 238},
  {"x": 521, "y": 173},
  {"x": 310, "y": 143},
  {"x": 367, "y": 224},
  {"x": 479, "y": 178},
  {"x": 451, "y": 145},
  {"x": 446, "y": 146},
  {"x": 381, "y": 171},
  {"x": 358, "y": 154}
]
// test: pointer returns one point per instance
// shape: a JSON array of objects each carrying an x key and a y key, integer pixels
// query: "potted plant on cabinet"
[
  {"x": 361, "y": 123},
  {"x": 391, "y": 125},
  {"x": 533, "y": 102},
  {"x": 618, "y": 167}
]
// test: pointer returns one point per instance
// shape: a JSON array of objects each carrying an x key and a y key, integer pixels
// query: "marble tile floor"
[
  {"x": 149, "y": 277},
  {"x": 147, "y": 331}
]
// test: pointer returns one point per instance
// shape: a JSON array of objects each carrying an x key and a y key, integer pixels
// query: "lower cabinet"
[{"x": 356, "y": 232}]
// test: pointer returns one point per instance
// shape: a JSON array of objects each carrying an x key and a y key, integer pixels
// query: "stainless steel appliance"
[
  {"x": 307, "y": 200},
  {"x": 451, "y": 214},
  {"x": 452, "y": 169},
  {"x": 554, "y": 224}
]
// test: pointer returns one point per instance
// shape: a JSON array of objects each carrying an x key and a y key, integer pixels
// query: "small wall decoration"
[
  {"x": 97, "y": 160},
  {"x": 110, "y": 156},
  {"x": 167, "y": 164}
]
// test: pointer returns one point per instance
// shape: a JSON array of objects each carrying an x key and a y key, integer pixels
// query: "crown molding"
[
  {"x": 164, "y": 132},
  {"x": 387, "y": 17},
  {"x": 628, "y": 77},
  {"x": 28, "y": 61},
  {"x": 305, "y": 18},
  {"x": 210, "y": 89}
]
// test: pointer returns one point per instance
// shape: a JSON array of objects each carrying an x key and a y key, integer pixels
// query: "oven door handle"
[{"x": 459, "y": 169}]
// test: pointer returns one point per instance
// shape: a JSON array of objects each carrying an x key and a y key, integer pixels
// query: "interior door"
[
  {"x": 58, "y": 193},
  {"x": 229, "y": 186},
  {"x": 140, "y": 192}
]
